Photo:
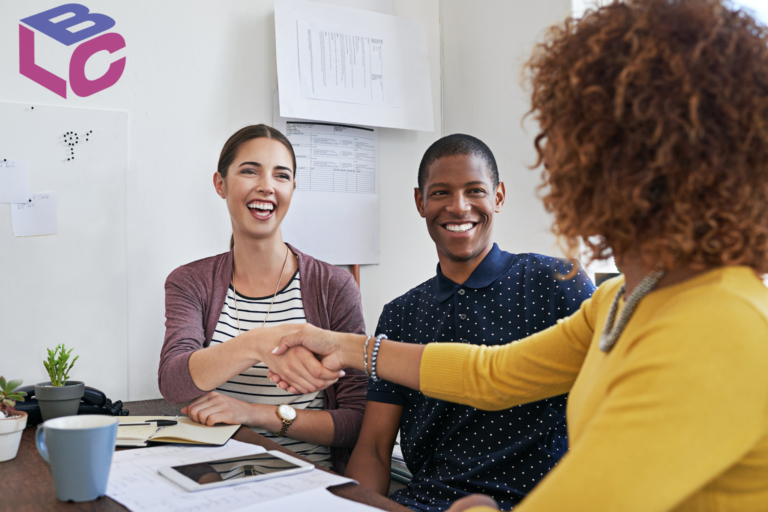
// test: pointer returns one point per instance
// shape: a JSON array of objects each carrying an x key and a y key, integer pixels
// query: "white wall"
[
  {"x": 198, "y": 70},
  {"x": 408, "y": 255},
  {"x": 484, "y": 49}
]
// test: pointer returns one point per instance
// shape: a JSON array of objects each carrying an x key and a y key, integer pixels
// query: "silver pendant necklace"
[
  {"x": 612, "y": 331},
  {"x": 234, "y": 291}
]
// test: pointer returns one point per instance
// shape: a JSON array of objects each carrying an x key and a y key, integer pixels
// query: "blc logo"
[{"x": 55, "y": 23}]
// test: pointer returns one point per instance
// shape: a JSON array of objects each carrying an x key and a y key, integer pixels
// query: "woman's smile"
[{"x": 262, "y": 210}]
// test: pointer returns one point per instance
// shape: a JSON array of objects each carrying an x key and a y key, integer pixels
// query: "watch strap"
[{"x": 286, "y": 424}]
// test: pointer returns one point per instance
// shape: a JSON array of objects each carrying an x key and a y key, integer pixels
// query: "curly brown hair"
[{"x": 654, "y": 132}]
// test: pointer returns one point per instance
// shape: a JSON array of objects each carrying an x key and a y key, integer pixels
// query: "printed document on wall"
[
  {"x": 341, "y": 64},
  {"x": 351, "y": 66},
  {"x": 334, "y": 213}
]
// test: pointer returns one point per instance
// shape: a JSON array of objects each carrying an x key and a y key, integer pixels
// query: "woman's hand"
[
  {"x": 299, "y": 366},
  {"x": 262, "y": 341},
  {"x": 328, "y": 346},
  {"x": 473, "y": 500},
  {"x": 324, "y": 344},
  {"x": 215, "y": 408}
]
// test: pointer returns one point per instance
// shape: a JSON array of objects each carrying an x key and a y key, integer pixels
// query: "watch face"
[{"x": 287, "y": 412}]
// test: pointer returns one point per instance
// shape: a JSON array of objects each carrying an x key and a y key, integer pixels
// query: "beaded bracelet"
[
  {"x": 365, "y": 355},
  {"x": 374, "y": 375}
]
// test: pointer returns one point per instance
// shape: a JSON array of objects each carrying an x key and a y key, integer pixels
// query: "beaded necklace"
[{"x": 612, "y": 331}]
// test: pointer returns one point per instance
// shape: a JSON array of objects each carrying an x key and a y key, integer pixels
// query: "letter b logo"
[{"x": 57, "y": 23}]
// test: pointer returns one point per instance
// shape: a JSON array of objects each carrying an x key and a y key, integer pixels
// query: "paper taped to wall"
[
  {"x": 351, "y": 66},
  {"x": 36, "y": 217},
  {"x": 334, "y": 213},
  {"x": 333, "y": 157},
  {"x": 14, "y": 181},
  {"x": 341, "y": 64}
]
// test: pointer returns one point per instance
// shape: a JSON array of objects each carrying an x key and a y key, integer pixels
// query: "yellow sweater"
[{"x": 674, "y": 418}]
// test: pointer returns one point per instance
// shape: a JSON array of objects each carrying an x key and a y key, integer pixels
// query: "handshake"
[{"x": 305, "y": 358}]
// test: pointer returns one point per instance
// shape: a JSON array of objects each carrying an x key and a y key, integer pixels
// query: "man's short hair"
[{"x": 457, "y": 144}]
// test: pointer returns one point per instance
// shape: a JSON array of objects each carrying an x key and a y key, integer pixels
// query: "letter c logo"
[{"x": 81, "y": 86}]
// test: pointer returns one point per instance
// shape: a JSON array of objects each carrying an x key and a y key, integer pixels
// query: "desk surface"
[{"x": 28, "y": 484}]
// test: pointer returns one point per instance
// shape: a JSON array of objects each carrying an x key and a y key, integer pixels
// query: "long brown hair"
[
  {"x": 256, "y": 131},
  {"x": 654, "y": 132}
]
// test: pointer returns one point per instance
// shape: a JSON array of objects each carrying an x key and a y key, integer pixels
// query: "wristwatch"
[{"x": 287, "y": 415}]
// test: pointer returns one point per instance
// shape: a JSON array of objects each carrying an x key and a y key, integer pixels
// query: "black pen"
[{"x": 159, "y": 423}]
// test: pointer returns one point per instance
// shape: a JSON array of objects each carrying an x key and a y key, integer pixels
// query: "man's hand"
[
  {"x": 326, "y": 346},
  {"x": 474, "y": 500},
  {"x": 215, "y": 408},
  {"x": 301, "y": 368}
]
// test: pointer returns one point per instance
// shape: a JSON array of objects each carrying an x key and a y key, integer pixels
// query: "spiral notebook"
[{"x": 185, "y": 431}]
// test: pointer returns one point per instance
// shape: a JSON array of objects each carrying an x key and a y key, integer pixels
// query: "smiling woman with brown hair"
[
  {"x": 654, "y": 127},
  {"x": 224, "y": 314}
]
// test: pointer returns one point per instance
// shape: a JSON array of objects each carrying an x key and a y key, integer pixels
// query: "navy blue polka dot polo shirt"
[{"x": 454, "y": 450}]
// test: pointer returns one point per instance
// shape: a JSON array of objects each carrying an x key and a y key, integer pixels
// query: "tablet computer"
[{"x": 235, "y": 471}]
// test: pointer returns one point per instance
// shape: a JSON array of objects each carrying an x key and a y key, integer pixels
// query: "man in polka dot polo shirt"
[{"x": 480, "y": 295}]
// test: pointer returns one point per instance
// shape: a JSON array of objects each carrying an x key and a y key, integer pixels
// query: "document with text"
[
  {"x": 341, "y": 64},
  {"x": 335, "y": 211},
  {"x": 352, "y": 66},
  {"x": 135, "y": 483}
]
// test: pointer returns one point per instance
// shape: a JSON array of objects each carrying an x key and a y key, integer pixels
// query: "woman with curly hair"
[{"x": 654, "y": 131}]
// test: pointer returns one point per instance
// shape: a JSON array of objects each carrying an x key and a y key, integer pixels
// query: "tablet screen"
[{"x": 235, "y": 468}]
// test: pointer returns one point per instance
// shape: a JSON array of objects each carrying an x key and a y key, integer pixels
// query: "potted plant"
[
  {"x": 12, "y": 422},
  {"x": 59, "y": 396}
]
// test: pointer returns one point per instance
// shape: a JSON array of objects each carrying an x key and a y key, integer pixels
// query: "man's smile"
[{"x": 459, "y": 227}]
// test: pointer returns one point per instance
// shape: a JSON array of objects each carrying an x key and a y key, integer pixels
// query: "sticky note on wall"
[
  {"x": 36, "y": 217},
  {"x": 14, "y": 181}
]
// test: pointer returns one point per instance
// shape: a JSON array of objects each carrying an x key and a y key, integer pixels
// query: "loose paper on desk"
[
  {"x": 317, "y": 500},
  {"x": 353, "y": 66},
  {"x": 36, "y": 217},
  {"x": 135, "y": 483},
  {"x": 14, "y": 181},
  {"x": 334, "y": 212}
]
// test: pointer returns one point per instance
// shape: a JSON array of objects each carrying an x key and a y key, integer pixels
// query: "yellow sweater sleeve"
[
  {"x": 495, "y": 378},
  {"x": 689, "y": 402}
]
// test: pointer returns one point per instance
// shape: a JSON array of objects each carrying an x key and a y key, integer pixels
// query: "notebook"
[{"x": 185, "y": 431}]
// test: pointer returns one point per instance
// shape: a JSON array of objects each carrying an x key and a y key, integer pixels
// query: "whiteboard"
[{"x": 70, "y": 287}]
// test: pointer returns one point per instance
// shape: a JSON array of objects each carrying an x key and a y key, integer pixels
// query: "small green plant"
[
  {"x": 56, "y": 365},
  {"x": 9, "y": 397}
]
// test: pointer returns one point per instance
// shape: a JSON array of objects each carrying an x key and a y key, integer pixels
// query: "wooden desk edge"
[
  {"x": 28, "y": 467},
  {"x": 349, "y": 491}
]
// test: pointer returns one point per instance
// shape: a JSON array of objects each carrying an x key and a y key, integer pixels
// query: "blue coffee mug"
[{"x": 79, "y": 450}]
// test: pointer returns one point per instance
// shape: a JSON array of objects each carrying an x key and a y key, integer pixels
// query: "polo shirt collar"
[{"x": 494, "y": 265}]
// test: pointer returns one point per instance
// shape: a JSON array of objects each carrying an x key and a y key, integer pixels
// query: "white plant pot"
[{"x": 10, "y": 435}]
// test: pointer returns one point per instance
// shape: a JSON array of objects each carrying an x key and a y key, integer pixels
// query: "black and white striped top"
[{"x": 253, "y": 386}]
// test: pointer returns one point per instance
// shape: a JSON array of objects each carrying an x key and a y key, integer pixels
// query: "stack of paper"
[
  {"x": 317, "y": 500},
  {"x": 135, "y": 483}
]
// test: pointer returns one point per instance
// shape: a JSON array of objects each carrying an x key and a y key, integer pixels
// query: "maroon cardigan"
[{"x": 194, "y": 297}]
